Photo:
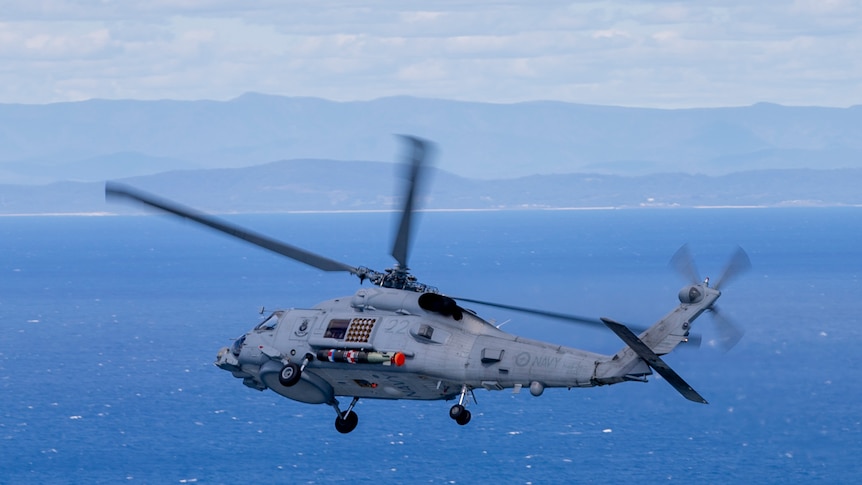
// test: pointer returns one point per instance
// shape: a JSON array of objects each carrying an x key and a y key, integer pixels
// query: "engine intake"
[{"x": 434, "y": 302}]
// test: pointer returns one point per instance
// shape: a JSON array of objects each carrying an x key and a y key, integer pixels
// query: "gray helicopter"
[{"x": 400, "y": 339}]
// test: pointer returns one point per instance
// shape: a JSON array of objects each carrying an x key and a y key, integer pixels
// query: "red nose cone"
[{"x": 398, "y": 359}]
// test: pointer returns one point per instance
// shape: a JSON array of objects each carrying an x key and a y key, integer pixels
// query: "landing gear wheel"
[
  {"x": 463, "y": 418},
  {"x": 456, "y": 411},
  {"x": 346, "y": 422},
  {"x": 289, "y": 374}
]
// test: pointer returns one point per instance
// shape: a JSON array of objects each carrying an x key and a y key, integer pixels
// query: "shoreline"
[{"x": 388, "y": 211}]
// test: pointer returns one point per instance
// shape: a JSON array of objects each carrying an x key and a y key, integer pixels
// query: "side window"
[
  {"x": 337, "y": 328},
  {"x": 269, "y": 323}
]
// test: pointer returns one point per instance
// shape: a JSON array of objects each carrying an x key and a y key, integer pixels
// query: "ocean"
[{"x": 110, "y": 326}]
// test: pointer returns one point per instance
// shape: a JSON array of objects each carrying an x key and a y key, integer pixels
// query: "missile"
[{"x": 361, "y": 357}]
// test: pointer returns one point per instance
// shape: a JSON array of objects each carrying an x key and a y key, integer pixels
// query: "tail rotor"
[{"x": 729, "y": 334}]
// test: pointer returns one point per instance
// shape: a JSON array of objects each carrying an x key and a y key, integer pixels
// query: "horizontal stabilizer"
[{"x": 654, "y": 361}]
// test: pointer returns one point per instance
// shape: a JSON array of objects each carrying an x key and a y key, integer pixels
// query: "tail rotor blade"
[
  {"x": 739, "y": 263},
  {"x": 419, "y": 150},
  {"x": 683, "y": 262},
  {"x": 729, "y": 334}
]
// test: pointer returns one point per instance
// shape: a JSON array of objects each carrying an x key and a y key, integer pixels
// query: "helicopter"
[{"x": 398, "y": 338}]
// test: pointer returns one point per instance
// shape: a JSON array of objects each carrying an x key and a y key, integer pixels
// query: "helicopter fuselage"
[{"x": 380, "y": 343}]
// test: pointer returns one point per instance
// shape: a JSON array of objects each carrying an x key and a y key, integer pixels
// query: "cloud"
[{"x": 636, "y": 53}]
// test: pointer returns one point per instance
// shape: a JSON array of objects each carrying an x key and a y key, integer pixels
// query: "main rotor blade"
[
  {"x": 683, "y": 263},
  {"x": 415, "y": 161},
  {"x": 544, "y": 313},
  {"x": 739, "y": 263},
  {"x": 693, "y": 340},
  {"x": 117, "y": 190}
]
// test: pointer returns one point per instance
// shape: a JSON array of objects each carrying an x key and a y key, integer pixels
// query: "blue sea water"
[{"x": 109, "y": 327}]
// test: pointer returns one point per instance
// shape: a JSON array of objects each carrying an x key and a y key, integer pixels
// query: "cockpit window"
[
  {"x": 269, "y": 323},
  {"x": 237, "y": 346}
]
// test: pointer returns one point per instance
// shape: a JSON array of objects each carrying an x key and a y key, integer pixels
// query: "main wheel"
[
  {"x": 289, "y": 375},
  {"x": 346, "y": 422},
  {"x": 456, "y": 410},
  {"x": 464, "y": 418}
]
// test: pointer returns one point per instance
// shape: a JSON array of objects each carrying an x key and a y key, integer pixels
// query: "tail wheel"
[
  {"x": 456, "y": 411},
  {"x": 346, "y": 422},
  {"x": 289, "y": 374}
]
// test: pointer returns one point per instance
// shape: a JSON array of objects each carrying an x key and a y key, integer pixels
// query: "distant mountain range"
[
  {"x": 326, "y": 185},
  {"x": 219, "y": 155},
  {"x": 99, "y": 139}
]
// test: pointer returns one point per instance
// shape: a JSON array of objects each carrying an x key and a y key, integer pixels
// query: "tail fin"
[{"x": 657, "y": 340}]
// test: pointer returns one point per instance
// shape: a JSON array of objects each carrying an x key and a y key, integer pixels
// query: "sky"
[{"x": 651, "y": 53}]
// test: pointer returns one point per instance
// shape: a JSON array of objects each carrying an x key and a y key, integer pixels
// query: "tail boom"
[{"x": 642, "y": 353}]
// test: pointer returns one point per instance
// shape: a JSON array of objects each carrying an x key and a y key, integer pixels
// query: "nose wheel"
[{"x": 291, "y": 372}]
